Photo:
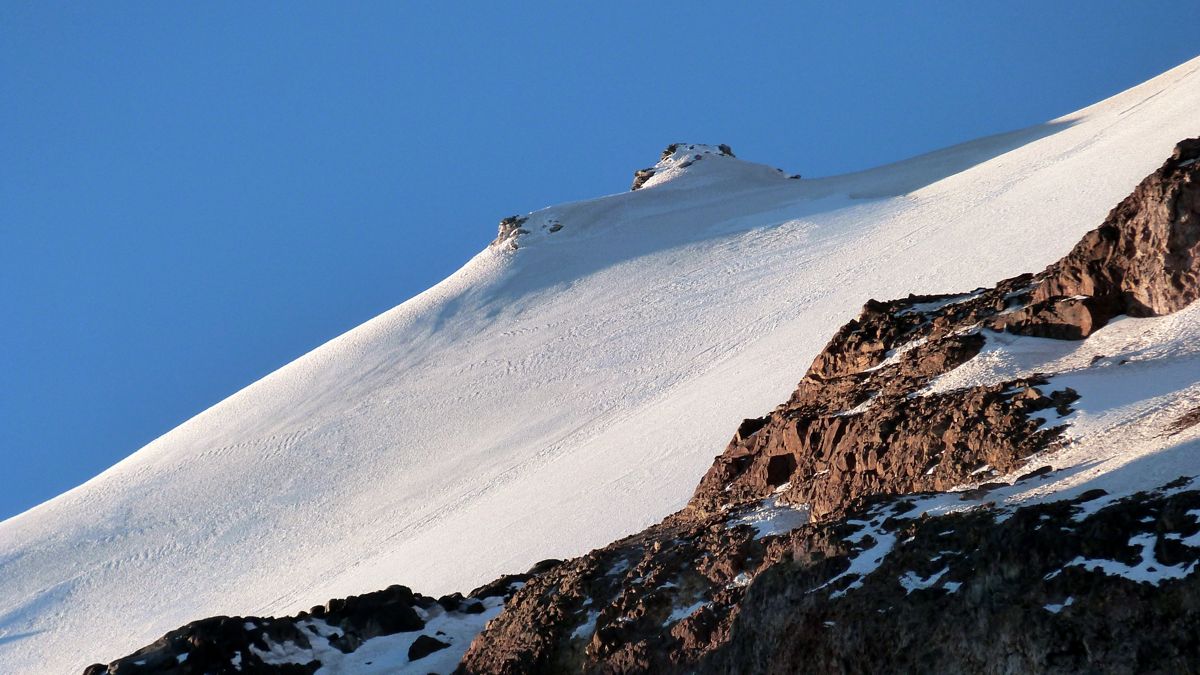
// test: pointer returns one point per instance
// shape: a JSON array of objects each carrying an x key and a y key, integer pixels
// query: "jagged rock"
[
  {"x": 640, "y": 177},
  {"x": 1040, "y": 471},
  {"x": 749, "y": 427},
  {"x": 510, "y": 229},
  {"x": 957, "y": 593},
  {"x": 1140, "y": 262},
  {"x": 853, "y": 428},
  {"x": 213, "y": 645},
  {"x": 451, "y": 602},
  {"x": 611, "y": 608},
  {"x": 381, "y": 613}
]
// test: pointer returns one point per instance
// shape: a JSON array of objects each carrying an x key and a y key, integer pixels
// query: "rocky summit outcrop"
[
  {"x": 851, "y": 529},
  {"x": 680, "y": 156}
]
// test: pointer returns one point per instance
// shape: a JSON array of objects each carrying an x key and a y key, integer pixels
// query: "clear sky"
[{"x": 194, "y": 194}]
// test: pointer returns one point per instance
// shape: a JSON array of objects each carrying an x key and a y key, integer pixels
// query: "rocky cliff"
[{"x": 861, "y": 526}]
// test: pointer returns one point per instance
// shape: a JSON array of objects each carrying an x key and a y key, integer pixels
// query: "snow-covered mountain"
[
  {"x": 1002, "y": 480},
  {"x": 564, "y": 388},
  {"x": 998, "y": 481}
]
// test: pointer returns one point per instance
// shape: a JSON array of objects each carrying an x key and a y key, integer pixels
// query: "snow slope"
[
  {"x": 551, "y": 398},
  {"x": 1136, "y": 378}
]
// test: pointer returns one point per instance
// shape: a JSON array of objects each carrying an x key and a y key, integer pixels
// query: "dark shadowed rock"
[{"x": 424, "y": 646}]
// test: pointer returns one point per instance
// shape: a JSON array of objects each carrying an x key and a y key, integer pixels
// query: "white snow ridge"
[{"x": 549, "y": 398}]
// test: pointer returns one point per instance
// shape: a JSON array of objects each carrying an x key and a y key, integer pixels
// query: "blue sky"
[{"x": 194, "y": 194}]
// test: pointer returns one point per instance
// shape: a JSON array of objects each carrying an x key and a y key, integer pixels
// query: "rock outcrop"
[
  {"x": 820, "y": 540},
  {"x": 678, "y": 155},
  {"x": 853, "y": 428},
  {"x": 1140, "y": 262},
  {"x": 508, "y": 232},
  {"x": 301, "y": 644}
]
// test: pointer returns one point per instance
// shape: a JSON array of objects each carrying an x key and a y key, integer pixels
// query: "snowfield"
[
  {"x": 549, "y": 398},
  {"x": 1136, "y": 378}
]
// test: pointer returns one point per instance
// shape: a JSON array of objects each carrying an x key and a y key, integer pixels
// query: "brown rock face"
[
  {"x": 855, "y": 426},
  {"x": 905, "y": 445},
  {"x": 1142, "y": 260}
]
